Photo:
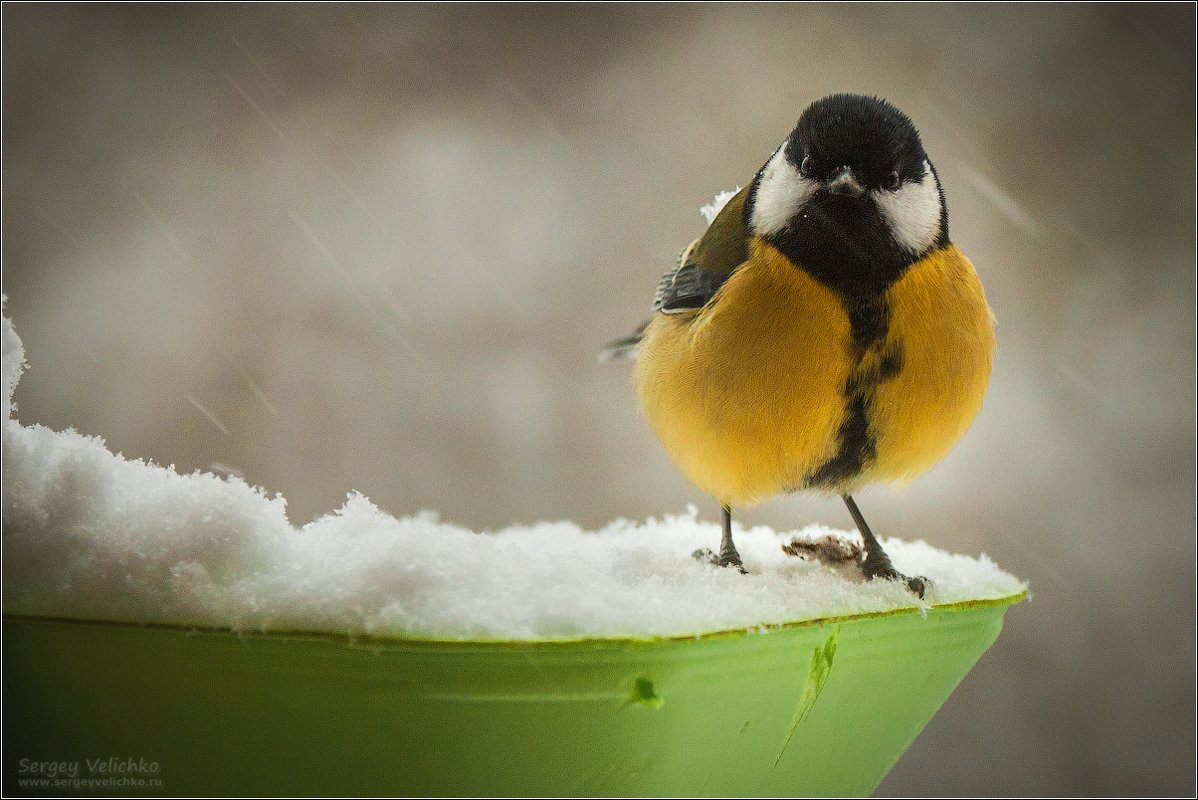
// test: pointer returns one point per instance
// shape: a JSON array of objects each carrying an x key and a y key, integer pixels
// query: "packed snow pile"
[{"x": 90, "y": 534}]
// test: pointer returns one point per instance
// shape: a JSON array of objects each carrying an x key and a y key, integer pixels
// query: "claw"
[
  {"x": 705, "y": 555},
  {"x": 917, "y": 585},
  {"x": 877, "y": 563}
]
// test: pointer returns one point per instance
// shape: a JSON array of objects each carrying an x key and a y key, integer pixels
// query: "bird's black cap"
[{"x": 865, "y": 133}]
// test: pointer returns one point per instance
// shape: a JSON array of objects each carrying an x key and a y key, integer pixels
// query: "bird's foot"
[
  {"x": 706, "y": 555},
  {"x": 886, "y": 571}
]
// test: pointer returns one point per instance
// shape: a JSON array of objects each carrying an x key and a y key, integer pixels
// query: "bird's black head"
[
  {"x": 870, "y": 136},
  {"x": 850, "y": 196}
]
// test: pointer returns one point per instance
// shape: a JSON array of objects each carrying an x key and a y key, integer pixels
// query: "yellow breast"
[
  {"x": 748, "y": 394},
  {"x": 940, "y": 320}
]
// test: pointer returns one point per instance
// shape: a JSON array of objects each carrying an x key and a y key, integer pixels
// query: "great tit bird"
[{"x": 824, "y": 333}]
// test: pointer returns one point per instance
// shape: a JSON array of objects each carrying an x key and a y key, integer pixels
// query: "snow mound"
[
  {"x": 90, "y": 534},
  {"x": 712, "y": 209}
]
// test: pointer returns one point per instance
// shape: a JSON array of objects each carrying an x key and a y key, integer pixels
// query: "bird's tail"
[{"x": 624, "y": 348}]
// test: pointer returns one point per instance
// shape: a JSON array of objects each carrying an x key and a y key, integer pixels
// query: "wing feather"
[
  {"x": 700, "y": 271},
  {"x": 703, "y": 267}
]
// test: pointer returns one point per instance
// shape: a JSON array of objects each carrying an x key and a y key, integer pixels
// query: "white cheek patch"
[
  {"x": 780, "y": 193},
  {"x": 913, "y": 212}
]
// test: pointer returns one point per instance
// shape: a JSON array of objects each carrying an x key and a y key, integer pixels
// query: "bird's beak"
[{"x": 845, "y": 183}]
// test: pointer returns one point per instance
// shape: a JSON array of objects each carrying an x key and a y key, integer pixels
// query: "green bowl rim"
[{"x": 383, "y": 640}]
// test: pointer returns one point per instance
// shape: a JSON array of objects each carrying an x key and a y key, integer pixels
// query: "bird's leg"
[
  {"x": 728, "y": 556},
  {"x": 877, "y": 563}
]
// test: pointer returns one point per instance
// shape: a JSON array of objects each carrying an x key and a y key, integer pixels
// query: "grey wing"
[
  {"x": 709, "y": 261},
  {"x": 686, "y": 287},
  {"x": 626, "y": 347},
  {"x": 701, "y": 269}
]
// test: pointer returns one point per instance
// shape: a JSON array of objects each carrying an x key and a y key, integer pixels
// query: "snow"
[
  {"x": 712, "y": 209},
  {"x": 12, "y": 364},
  {"x": 93, "y": 535}
]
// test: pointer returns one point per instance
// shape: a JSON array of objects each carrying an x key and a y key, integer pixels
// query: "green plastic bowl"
[{"x": 822, "y": 707}]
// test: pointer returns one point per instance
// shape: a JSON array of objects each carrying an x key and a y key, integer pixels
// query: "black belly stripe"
[
  {"x": 857, "y": 444},
  {"x": 855, "y": 447}
]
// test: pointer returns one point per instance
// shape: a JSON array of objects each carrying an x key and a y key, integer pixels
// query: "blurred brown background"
[{"x": 376, "y": 248}]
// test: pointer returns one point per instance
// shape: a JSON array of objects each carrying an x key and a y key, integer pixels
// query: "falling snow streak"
[
  {"x": 388, "y": 321},
  {"x": 208, "y": 414},
  {"x": 254, "y": 105},
  {"x": 258, "y": 393},
  {"x": 167, "y": 233},
  {"x": 256, "y": 64},
  {"x": 1001, "y": 200}
]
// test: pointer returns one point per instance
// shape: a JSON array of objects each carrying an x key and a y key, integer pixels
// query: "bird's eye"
[
  {"x": 805, "y": 167},
  {"x": 892, "y": 183}
]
